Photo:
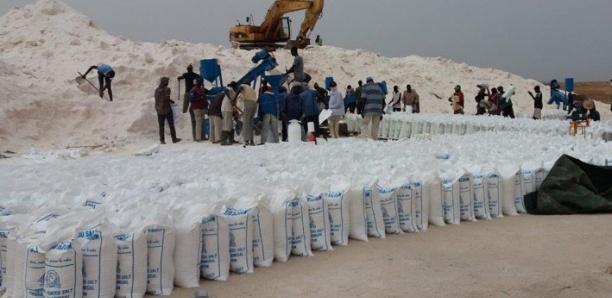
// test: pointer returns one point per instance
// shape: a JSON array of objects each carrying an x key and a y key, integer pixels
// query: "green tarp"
[{"x": 573, "y": 187}]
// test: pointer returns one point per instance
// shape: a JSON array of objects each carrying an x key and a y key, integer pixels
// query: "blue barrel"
[
  {"x": 328, "y": 82},
  {"x": 569, "y": 84},
  {"x": 383, "y": 86},
  {"x": 206, "y": 127}
]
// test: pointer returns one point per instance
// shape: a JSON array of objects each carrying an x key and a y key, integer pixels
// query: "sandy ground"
[{"x": 526, "y": 256}]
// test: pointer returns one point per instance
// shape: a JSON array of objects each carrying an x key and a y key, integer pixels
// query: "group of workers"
[{"x": 302, "y": 103}]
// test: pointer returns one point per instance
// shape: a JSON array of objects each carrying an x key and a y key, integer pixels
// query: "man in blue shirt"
[
  {"x": 268, "y": 114},
  {"x": 311, "y": 109},
  {"x": 105, "y": 77}
]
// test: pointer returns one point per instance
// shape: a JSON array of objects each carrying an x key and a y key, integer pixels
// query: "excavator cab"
[{"x": 286, "y": 28}]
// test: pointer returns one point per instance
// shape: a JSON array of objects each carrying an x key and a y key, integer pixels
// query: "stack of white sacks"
[
  {"x": 126, "y": 226},
  {"x": 403, "y": 126}
]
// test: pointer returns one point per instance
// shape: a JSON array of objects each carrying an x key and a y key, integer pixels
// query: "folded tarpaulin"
[{"x": 573, "y": 187}]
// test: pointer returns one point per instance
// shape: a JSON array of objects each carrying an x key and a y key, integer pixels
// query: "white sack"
[
  {"x": 436, "y": 202},
  {"x": 420, "y": 196},
  {"x": 508, "y": 174},
  {"x": 282, "y": 210},
  {"x": 406, "y": 208},
  {"x": 160, "y": 259},
  {"x": 358, "y": 221},
  {"x": 300, "y": 237},
  {"x": 388, "y": 204},
  {"x": 481, "y": 201},
  {"x": 338, "y": 203},
  {"x": 375, "y": 220},
  {"x": 63, "y": 277},
  {"x": 466, "y": 194},
  {"x": 495, "y": 194},
  {"x": 215, "y": 259},
  {"x": 320, "y": 229},
  {"x": 131, "y": 265},
  {"x": 263, "y": 234},
  {"x": 240, "y": 240},
  {"x": 99, "y": 250},
  {"x": 451, "y": 201}
]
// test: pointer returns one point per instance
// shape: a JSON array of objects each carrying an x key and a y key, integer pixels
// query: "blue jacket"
[
  {"x": 309, "y": 99},
  {"x": 292, "y": 106},
  {"x": 267, "y": 104}
]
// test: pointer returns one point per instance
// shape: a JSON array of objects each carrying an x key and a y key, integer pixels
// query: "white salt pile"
[{"x": 44, "y": 45}]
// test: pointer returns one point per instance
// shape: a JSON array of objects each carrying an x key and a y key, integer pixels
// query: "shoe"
[
  {"x": 162, "y": 142},
  {"x": 176, "y": 141},
  {"x": 231, "y": 138},
  {"x": 225, "y": 138}
]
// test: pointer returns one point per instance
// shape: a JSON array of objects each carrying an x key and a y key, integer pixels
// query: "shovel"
[{"x": 80, "y": 79}]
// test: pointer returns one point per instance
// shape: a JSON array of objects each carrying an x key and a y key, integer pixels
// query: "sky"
[{"x": 537, "y": 39}]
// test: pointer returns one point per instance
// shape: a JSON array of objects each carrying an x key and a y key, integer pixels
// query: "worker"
[
  {"x": 282, "y": 96},
  {"x": 292, "y": 108},
  {"x": 164, "y": 111},
  {"x": 336, "y": 105},
  {"x": 506, "y": 105},
  {"x": 189, "y": 78},
  {"x": 537, "y": 103},
  {"x": 298, "y": 68},
  {"x": 227, "y": 111},
  {"x": 311, "y": 109},
  {"x": 396, "y": 102},
  {"x": 215, "y": 115},
  {"x": 350, "y": 101},
  {"x": 264, "y": 87},
  {"x": 494, "y": 109},
  {"x": 267, "y": 113},
  {"x": 319, "y": 40},
  {"x": 106, "y": 74},
  {"x": 247, "y": 93},
  {"x": 483, "y": 94},
  {"x": 321, "y": 96},
  {"x": 411, "y": 99},
  {"x": 374, "y": 106},
  {"x": 360, "y": 101},
  {"x": 588, "y": 106},
  {"x": 461, "y": 97},
  {"x": 455, "y": 100},
  {"x": 199, "y": 104},
  {"x": 501, "y": 100}
]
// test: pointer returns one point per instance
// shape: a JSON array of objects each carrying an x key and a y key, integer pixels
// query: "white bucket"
[
  {"x": 294, "y": 131},
  {"x": 311, "y": 127}
]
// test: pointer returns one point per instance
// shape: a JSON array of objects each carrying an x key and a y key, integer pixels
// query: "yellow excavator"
[{"x": 275, "y": 30}]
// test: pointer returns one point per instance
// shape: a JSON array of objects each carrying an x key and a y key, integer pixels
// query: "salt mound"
[{"x": 44, "y": 45}]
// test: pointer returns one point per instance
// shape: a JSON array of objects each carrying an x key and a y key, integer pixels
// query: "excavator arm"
[
  {"x": 313, "y": 14},
  {"x": 276, "y": 12}
]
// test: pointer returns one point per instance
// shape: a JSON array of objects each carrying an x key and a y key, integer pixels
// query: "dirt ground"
[
  {"x": 525, "y": 256},
  {"x": 601, "y": 91}
]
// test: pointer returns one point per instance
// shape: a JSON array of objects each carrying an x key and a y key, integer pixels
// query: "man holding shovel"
[{"x": 105, "y": 77}]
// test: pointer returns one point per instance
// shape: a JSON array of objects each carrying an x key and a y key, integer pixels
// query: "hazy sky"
[{"x": 539, "y": 39}]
